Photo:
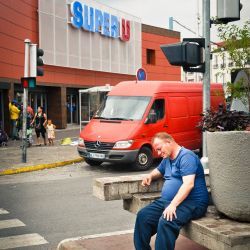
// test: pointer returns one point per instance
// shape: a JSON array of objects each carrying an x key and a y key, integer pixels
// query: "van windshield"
[{"x": 123, "y": 108}]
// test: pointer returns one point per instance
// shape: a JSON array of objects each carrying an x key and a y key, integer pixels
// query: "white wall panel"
[{"x": 65, "y": 45}]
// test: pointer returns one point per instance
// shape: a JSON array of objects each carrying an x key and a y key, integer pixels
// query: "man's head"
[{"x": 164, "y": 144}]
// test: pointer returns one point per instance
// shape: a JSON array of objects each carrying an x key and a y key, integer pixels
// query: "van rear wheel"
[
  {"x": 144, "y": 159},
  {"x": 93, "y": 162}
]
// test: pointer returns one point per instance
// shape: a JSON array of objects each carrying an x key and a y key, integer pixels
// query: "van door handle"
[{"x": 165, "y": 126}]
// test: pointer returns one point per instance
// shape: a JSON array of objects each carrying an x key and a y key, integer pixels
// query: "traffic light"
[
  {"x": 188, "y": 54},
  {"x": 36, "y": 60},
  {"x": 228, "y": 10},
  {"x": 28, "y": 82}
]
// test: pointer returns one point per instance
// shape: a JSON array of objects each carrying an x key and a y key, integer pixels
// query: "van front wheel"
[
  {"x": 144, "y": 159},
  {"x": 93, "y": 162}
]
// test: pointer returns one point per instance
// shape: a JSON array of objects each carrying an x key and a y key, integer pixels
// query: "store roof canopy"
[{"x": 105, "y": 88}]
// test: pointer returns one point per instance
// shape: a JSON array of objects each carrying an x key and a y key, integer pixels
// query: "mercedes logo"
[{"x": 97, "y": 144}]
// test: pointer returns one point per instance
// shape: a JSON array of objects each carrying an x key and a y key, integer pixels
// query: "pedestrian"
[
  {"x": 14, "y": 115},
  {"x": 51, "y": 132},
  {"x": 29, "y": 127},
  {"x": 40, "y": 120},
  {"x": 29, "y": 119},
  {"x": 184, "y": 195}
]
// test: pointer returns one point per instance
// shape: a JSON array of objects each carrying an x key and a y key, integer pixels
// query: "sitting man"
[{"x": 184, "y": 195}]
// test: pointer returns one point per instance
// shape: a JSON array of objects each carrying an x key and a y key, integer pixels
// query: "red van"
[{"x": 122, "y": 128}]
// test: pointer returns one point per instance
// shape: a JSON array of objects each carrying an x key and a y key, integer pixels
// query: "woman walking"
[{"x": 40, "y": 120}]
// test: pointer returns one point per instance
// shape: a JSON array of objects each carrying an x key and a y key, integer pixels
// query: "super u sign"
[{"x": 94, "y": 20}]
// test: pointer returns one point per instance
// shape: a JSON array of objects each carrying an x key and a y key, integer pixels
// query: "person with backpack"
[{"x": 40, "y": 120}]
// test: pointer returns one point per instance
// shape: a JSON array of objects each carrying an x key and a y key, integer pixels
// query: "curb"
[
  {"x": 39, "y": 167},
  {"x": 73, "y": 243}
]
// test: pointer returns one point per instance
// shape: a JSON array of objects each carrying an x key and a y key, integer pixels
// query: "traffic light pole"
[
  {"x": 25, "y": 101},
  {"x": 206, "y": 76}
]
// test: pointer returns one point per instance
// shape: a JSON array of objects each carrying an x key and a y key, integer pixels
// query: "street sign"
[{"x": 141, "y": 74}]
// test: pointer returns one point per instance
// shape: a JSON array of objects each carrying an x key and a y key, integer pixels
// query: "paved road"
[{"x": 42, "y": 208}]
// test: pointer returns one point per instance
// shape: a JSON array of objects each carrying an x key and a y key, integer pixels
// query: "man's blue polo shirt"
[{"x": 186, "y": 163}]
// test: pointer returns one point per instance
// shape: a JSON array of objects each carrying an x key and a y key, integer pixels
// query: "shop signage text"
[{"x": 94, "y": 20}]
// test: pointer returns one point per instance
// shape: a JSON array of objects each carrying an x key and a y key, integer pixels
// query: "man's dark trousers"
[{"x": 150, "y": 221}]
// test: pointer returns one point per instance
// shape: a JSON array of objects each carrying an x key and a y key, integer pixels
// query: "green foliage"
[
  {"x": 237, "y": 90},
  {"x": 236, "y": 41}
]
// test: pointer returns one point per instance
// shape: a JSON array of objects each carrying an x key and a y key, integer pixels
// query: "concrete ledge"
[
  {"x": 218, "y": 233},
  {"x": 122, "y": 187}
]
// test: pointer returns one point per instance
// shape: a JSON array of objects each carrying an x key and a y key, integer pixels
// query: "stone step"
[
  {"x": 138, "y": 201},
  {"x": 217, "y": 232}
]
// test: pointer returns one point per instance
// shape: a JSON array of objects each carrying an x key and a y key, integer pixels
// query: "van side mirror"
[{"x": 152, "y": 118}]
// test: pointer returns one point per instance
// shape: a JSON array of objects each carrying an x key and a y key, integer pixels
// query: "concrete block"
[
  {"x": 139, "y": 201},
  {"x": 122, "y": 187},
  {"x": 133, "y": 187},
  {"x": 218, "y": 233}
]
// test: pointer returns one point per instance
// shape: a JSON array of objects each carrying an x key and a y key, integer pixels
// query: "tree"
[{"x": 236, "y": 41}]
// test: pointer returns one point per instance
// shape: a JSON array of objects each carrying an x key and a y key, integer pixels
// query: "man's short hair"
[{"x": 162, "y": 136}]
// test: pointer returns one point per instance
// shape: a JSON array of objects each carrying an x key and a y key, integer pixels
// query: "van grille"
[{"x": 98, "y": 145}]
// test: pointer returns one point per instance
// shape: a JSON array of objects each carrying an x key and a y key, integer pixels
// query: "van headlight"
[
  {"x": 81, "y": 142},
  {"x": 123, "y": 144}
]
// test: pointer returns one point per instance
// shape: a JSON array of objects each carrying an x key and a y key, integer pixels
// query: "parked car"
[{"x": 122, "y": 129}]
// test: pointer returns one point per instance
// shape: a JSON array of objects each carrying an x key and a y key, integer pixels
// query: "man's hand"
[
  {"x": 170, "y": 212},
  {"x": 146, "y": 181}
]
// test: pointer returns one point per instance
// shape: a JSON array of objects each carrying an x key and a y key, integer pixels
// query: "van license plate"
[{"x": 96, "y": 155}]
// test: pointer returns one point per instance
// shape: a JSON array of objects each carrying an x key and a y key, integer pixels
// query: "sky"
[{"x": 157, "y": 13}]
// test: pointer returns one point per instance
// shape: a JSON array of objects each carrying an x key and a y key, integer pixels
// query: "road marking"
[
  {"x": 21, "y": 241},
  {"x": 3, "y": 211},
  {"x": 11, "y": 223}
]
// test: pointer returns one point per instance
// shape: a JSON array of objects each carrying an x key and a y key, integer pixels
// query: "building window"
[
  {"x": 151, "y": 56},
  {"x": 216, "y": 77},
  {"x": 215, "y": 66},
  {"x": 223, "y": 65}
]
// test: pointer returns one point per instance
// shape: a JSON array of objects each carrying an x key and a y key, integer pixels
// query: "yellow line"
[{"x": 39, "y": 167}]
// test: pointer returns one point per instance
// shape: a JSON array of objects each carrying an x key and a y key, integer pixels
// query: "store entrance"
[
  {"x": 38, "y": 100},
  {"x": 72, "y": 108}
]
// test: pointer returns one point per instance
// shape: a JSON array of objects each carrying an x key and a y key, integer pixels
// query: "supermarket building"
[{"x": 85, "y": 43}]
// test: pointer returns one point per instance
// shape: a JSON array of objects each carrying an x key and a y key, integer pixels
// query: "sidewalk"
[
  {"x": 122, "y": 240},
  {"x": 40, "y": 157}
]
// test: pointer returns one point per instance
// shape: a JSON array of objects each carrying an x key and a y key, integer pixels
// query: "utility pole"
[
  {"x": 206, "y": 76},
  {"x": 198, "y": 33},
  {"x": 25, "y": 101}
]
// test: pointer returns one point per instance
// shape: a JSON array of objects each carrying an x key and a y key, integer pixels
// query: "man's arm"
[
  {"x": 184, "y": 190},
  {"x": 155, "y": 174}
]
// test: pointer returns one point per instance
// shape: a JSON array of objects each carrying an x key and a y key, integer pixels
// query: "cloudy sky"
[{"x": 157, "y": 13}]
